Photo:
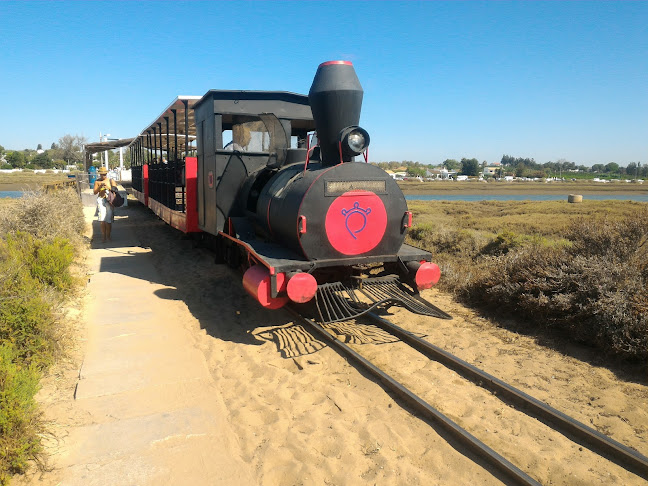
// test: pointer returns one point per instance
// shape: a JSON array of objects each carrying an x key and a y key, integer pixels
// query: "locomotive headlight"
[{"x": 354, "y": 140}]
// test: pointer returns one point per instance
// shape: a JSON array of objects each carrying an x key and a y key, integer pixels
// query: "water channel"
[
  {"x": 524, "y": 197},
  {"x": 477, "y": 197}
]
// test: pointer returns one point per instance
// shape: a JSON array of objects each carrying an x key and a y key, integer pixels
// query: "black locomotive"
[{"x": 292, "y": 208}]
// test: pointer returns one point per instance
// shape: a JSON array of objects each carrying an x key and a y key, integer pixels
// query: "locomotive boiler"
[{"x": 279, "y": 194}]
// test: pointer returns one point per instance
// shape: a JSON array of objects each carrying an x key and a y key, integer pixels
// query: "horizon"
[{"x": 442, "y": 80}]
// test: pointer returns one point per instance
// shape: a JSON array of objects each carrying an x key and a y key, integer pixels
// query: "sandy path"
[{"x": 302, "y": 415}]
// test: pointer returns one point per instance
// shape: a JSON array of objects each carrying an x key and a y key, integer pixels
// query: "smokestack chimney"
[{"x": 335, "y": 98}]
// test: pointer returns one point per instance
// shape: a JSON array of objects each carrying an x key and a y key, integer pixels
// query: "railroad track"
[{"x": 576, "y": 431}]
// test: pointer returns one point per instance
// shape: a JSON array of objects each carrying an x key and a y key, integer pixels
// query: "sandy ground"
[{"x": 303, "y": 415}]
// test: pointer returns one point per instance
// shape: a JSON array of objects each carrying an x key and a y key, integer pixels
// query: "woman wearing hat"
[{"x": 104, "y": 209}]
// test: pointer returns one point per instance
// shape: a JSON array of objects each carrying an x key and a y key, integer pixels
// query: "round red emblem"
[{"x": 356, "y": 222}]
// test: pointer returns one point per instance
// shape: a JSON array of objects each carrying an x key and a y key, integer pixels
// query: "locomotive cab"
[{"x": 242, "y": 134}]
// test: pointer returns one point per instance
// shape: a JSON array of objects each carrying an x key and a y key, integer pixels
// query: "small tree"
[
  {"x": 416, "y": 172},
  {"x": 42, "y": 160},
  {"x": 16, "y": 159},
  {"x": 451, "y": 164},
  {"x": 71, "y": 148},
  {"x": 470, "y": 167},
  {"x": 598, "y": 168},
  {"x": 520, "y": 170},
  {"x": 612, "y": 168}
]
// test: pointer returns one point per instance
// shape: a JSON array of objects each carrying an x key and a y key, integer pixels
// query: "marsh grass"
[
  {"x": 32, "y": 179},
  {"x": 40, "y": 236},
  {"x": 580, "y": 269},
  {"x": 521, "y": 187}
]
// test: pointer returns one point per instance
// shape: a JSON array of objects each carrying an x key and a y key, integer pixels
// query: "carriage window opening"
[
  {"x": 250, "y": 136},
  {"x": 227, "y": 137}
]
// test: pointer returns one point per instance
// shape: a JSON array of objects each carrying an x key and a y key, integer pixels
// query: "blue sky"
[{"x": 548, "y": 80}]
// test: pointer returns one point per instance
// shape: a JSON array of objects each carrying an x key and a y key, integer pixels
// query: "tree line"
[
  {"x": 522, "y": 167},
  {"x": 68, "y": 151}
]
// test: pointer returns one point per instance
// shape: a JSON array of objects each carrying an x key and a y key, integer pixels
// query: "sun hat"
[{"x": 103, "y": 170}]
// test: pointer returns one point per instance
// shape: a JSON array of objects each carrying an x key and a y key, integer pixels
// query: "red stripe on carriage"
[{"x": 356, "y": 222}]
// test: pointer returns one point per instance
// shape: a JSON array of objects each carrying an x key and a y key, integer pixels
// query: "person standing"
[{"x": 104, "y": 209}]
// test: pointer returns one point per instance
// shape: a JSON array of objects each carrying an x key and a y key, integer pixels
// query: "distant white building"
[
  {"x": 439, "y": 174},
  {"x": 492, "y": 170},
  {"x": 397, "y": 174}
]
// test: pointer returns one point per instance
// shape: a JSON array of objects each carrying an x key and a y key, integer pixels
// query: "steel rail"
[
  {"x": 505, "y": 467},
  {"x": 592, "y": 439}
]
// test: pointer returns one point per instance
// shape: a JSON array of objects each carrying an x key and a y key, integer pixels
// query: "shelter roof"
[
  {"x": 182, "y": 130},
  {"x": 92, "y": 148}
]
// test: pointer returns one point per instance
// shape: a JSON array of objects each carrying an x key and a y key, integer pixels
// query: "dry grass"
[
  {"x": 521, "y": 187},
  {"x": 45, "y": 216},
  {"x": 6, "y": 202},
  {"x": 17, "y": 181},
  {"x": 546, "y": 218},
  {"x": 578, "y": 268}
]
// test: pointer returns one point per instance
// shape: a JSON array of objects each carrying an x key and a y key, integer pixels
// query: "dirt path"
[{"x": 301, "y": 415}]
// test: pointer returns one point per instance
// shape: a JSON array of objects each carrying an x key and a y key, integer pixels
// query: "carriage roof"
[{"x": 282, "y": 104}]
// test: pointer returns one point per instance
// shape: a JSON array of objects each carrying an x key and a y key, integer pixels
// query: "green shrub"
[
  {"x": 38, "y": 238},
  {"x": 51, "y": 263},
  {"x": 19, "y": 416},
  {"x": 421, "y": 231},
  {"x": 593, "y": 290},
  {"x": 503, "y": 243},
  {"x": 587, "y": 278},
  {"x": 27, "y": 302}
]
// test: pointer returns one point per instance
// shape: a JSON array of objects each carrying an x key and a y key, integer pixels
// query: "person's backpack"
[{"x": 114, "y": 198}]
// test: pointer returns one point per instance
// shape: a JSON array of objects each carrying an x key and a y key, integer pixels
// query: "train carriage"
[{"x": 164, "y": 166}]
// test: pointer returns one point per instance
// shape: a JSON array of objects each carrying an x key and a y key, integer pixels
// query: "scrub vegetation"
[
  {"x": 521, "y": 187},
  {"x": 579, "y": 270},
  {"x": 40, "y": 234},
  {"x": 29, "y": 180}
]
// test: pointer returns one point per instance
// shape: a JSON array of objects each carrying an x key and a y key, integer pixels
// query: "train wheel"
[
  {"x": 233, "y": 256},
  {"x": 220, "y": 249}
]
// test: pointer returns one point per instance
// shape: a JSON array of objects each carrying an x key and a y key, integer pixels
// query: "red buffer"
[
  {"x": 426, "y": 274},
  {"x": 256, "y": 281}
]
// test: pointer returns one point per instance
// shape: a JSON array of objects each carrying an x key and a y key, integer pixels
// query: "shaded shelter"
[{"x": 97, "y": 147}]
